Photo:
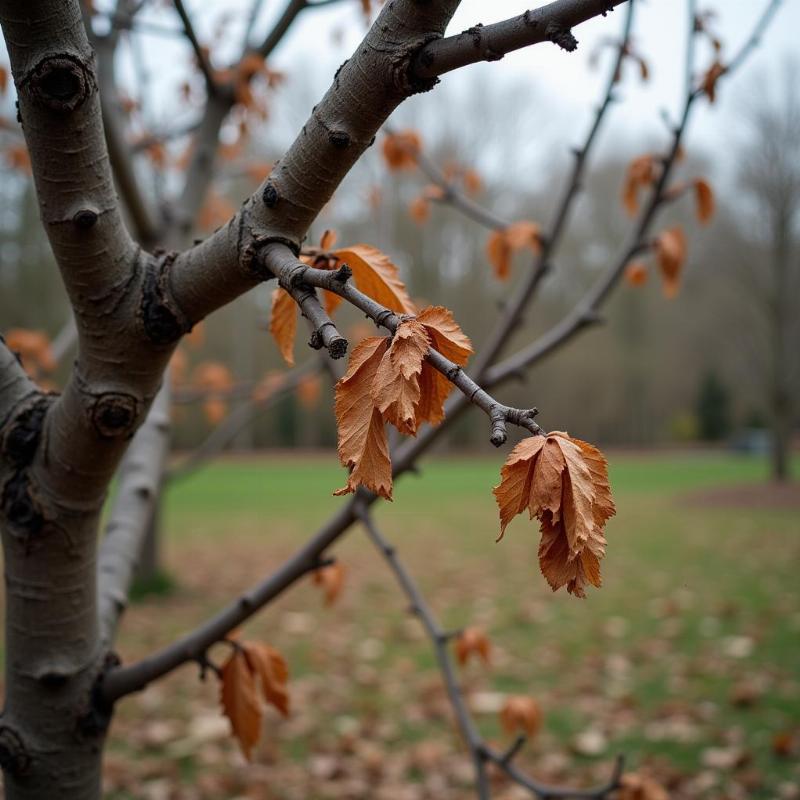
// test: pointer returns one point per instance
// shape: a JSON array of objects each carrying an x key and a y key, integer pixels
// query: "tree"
[
  {"x": 770, "y": 178},
  {"x": 137, "y": 290},
  {"x": 713, "y": 412}
]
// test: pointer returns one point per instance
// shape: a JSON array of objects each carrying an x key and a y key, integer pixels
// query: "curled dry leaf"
[
  {"x": 283, "y": 323},
  {"x": 503, "y": 243},
  {"x": 563, "y": 482},
  {"x": 634, "y": 786},
  {"x": 473, "y": 641},
  {"x": 709, "y": 83},
  {"x": 396, "y": 387},
  {"x": 373, "y": 273},
  {"x": 400, "y": 150},
  {"x": 240, "y": 702},
  {"x": 447, "y": 337},
  {"x": 33, "y": 349},
  {"x": 641, "y": 173},
  {"x": 376, "y": 276},
  {"x": 636, "y": 273},
  {"x": 390, "y": 381},
  {"x": 521, "y": 714},
  {"x": 330, "y": 579},
  {"x": 250, "y": 667},
  {"x": 362, "y": 445},
  {"x": 704, "y": 200},
  {"x": 670, "y": 248}
]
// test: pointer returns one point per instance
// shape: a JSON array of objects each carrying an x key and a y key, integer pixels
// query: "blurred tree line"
[{"x": 720, "y": 357}]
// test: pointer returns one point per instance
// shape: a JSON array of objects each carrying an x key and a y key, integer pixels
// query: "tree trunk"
[{"x": 51, "y": 740}]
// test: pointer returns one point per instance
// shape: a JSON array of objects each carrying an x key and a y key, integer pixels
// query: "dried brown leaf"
[
  {"x": 400, "y": 150},
  {"x": 504, "y": 242},
  {"x": 670, "y": 248},
  {"x": 704, "y": 200},
  {"x": 473, "y": 641},
  {"x": 636, "y": 273},
  {"x": 240, "y": 702},
  {"x": 447, "y": 337},
  {"x": 363, "y": 447},
  {"x": 283, "y": 323},
  {"x": 330, "y": 579},
  {"x": 563, "y": 482},
  {"x": 396, "y": 387},
  {"x": 376, "y": 276},
  {"x": 521, "y": 714}
]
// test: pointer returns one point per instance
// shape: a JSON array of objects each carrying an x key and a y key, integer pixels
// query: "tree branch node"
[
  {"x": 60, "y": 82},
  {"x": 403, "y": 60},
  {"x": 14, "y": 756},
  {"x": 561, "y": 36},
  {"x": 163, "y": 321}
]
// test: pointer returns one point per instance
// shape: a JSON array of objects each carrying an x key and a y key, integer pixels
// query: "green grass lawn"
[{"x": 687, "y": 660}]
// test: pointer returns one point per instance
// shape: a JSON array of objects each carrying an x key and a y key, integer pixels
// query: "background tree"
[
  {"x": 133, "y": 301},
  {"x": 770, "y": 179}
]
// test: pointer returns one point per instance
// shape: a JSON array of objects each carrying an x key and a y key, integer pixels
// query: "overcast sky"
[
  {"x": 563, "y": 86},
  {"x": 322, "y": 39}
]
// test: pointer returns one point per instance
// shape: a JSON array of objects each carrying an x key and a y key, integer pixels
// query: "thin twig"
[
  {"x": 200, "y": 54},
  {"x": 480, "y": 752},
  {"x": 292, "y": 272}
]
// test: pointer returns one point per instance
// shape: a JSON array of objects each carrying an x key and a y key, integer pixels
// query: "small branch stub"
[
  {"x": 14, "y": 757},
  {"x": 85, "y": 218}
]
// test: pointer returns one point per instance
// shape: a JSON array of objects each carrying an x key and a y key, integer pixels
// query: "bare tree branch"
[
  {"x": 137, "y": 205},
  {"x": 200, "y": 54},
  {"x": 15, "y": 385},
  {"x": 280, "y": 260},
  {"x": 124, "y": 680},
  {"x": 366, "y": 90},
  {"x": 550, "y": 23},
  {"x": 480, "y": 751}
]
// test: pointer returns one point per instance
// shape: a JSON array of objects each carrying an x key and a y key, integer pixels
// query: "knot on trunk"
[
  {"x": 114, "y": 415},
  {"x": 14, "y": 757},
  {"x": 404, "y": 60},
  {"x": 24, "y": 432},
  {"x": 60, "y": 82},
  {"x": 23, "y": 512}
]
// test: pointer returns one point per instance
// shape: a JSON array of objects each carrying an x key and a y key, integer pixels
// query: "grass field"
[{"x": 687, "y": 660}]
